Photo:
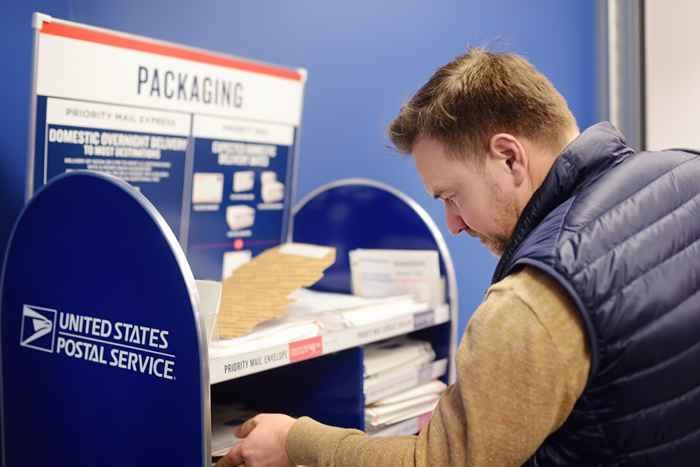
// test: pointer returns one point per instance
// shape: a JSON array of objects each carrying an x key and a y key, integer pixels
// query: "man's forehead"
[{"x": 439, "y": 172}]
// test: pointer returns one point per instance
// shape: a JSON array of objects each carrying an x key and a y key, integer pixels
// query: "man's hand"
[{"x": 264, "y": 443}]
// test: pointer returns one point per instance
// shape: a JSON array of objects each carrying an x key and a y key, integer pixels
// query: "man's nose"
[{"x": 455, "y": 224}]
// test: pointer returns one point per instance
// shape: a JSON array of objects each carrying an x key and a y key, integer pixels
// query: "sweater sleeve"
[{"x": 522, "y": 364}]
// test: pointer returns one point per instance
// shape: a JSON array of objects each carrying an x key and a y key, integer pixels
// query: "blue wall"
[{"x": 365, "y": 58}]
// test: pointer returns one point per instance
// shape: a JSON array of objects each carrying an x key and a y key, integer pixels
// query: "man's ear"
[{"x": 507, "y": 154}]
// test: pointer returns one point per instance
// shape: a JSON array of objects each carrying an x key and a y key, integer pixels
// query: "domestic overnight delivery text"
[{"x": 109, "y": 143}]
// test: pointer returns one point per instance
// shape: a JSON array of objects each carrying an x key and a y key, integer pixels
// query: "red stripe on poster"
[{"x": 125, "y": 42}]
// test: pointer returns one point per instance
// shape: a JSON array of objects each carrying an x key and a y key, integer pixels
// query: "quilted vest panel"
[{"x": 620, "y": 232}]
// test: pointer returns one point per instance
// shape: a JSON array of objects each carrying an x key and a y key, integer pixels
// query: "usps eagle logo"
[{"x": 38, "y": 328}]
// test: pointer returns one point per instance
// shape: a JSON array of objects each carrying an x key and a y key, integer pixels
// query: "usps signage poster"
[{"x": 208, "y": 139}]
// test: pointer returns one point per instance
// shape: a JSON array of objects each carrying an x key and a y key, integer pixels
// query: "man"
[{"x": 585, "y": 349}]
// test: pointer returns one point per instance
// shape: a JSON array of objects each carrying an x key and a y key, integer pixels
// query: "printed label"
[
  {"x": 305, "y": 349},
  {"x": 423, "y": 319}
]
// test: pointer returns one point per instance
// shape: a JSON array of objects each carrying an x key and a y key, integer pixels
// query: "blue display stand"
[{"x": 103, "y": 362}]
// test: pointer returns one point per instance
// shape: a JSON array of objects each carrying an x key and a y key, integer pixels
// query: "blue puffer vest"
[{"x": 621, "y": 233}]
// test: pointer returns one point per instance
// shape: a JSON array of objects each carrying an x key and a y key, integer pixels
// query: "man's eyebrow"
[{"x": 437, "y": 192}]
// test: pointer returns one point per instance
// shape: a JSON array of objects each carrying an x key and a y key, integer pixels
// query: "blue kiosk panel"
[{"x": 103, "y": 362}]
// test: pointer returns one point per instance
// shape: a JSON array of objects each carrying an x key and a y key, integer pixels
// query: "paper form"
[
  {"x": 381, "y": 273},
  {"x": 432, "y": 388},
  {"x": 396, "y": 353},
  {"x": 378, "y": 416}
]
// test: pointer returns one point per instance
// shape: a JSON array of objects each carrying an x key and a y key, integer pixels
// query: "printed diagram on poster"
[
  {"x": 207, "y": 188},
  {"x": 243, "y": 180},
  {"x": 241, "y": 163},
  {"x": 272, "y": 190},
  {"x": 240, "y": 217},
  {"x": 209, "y": 139}
]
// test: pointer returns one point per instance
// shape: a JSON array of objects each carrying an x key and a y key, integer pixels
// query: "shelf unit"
[
  {"x": 230, "y": 364},
  {"x": 347, "y": 214},
  {"x": 109, "y": 260}
]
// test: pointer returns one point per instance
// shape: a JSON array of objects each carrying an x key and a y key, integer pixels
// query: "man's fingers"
[
  {"x": 245, "y": 429},
  {"x": 233, "y": 458}
]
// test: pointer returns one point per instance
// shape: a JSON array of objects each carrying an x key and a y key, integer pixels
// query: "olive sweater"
[{"x": 522, "y": 364}]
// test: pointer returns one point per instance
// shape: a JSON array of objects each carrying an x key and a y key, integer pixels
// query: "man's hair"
[{"x": 478, "y": 95}]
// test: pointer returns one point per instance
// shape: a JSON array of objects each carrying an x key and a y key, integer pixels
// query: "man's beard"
[
  {"x": 496, "y": 245},
  {"x": 507, "y": 216}
]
